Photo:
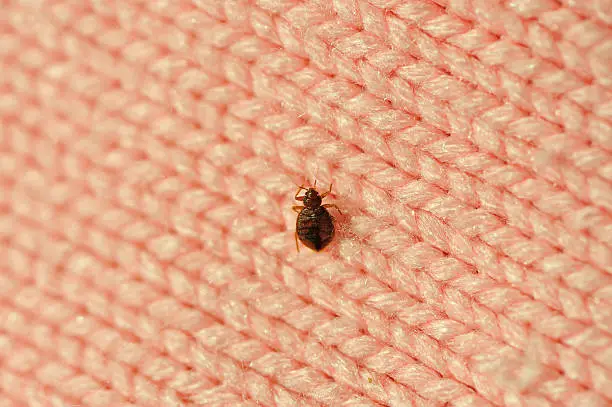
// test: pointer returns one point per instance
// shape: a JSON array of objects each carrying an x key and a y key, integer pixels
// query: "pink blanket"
[{"x": 150, "y": 151}]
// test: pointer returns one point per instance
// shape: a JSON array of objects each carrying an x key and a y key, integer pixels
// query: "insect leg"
[
  {"x": 297, "y": 246},
  {"x": 328, "y": 192},
  {"x": 332, "y": 206},
  {"x": 297, "y": 208}
]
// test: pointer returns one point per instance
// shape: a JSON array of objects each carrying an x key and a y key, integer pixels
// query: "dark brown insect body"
[{"x": 314, "y": 225}]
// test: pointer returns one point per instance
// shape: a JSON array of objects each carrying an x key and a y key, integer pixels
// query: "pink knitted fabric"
[{"x": 149, "y": 156}]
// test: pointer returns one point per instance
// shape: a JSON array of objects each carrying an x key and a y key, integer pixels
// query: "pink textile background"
[{"x": 150, "y": 150}]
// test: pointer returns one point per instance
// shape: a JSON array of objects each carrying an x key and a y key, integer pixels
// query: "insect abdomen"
[{"x": 315, "y": 227}]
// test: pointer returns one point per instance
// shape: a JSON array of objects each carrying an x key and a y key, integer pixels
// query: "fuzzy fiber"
[{"x": 149, "y": 156}]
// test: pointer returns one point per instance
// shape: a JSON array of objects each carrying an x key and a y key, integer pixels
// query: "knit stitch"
[{"x": 150, "y": 151}]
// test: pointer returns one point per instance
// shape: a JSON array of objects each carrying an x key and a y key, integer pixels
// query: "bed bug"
[{"x": 314, "y": 226}]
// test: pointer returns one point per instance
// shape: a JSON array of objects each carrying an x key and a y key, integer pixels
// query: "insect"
[{"x": 314, "y": 225}]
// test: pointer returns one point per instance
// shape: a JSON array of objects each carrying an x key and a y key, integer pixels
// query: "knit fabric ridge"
[{"x": 150, "y": 151}]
